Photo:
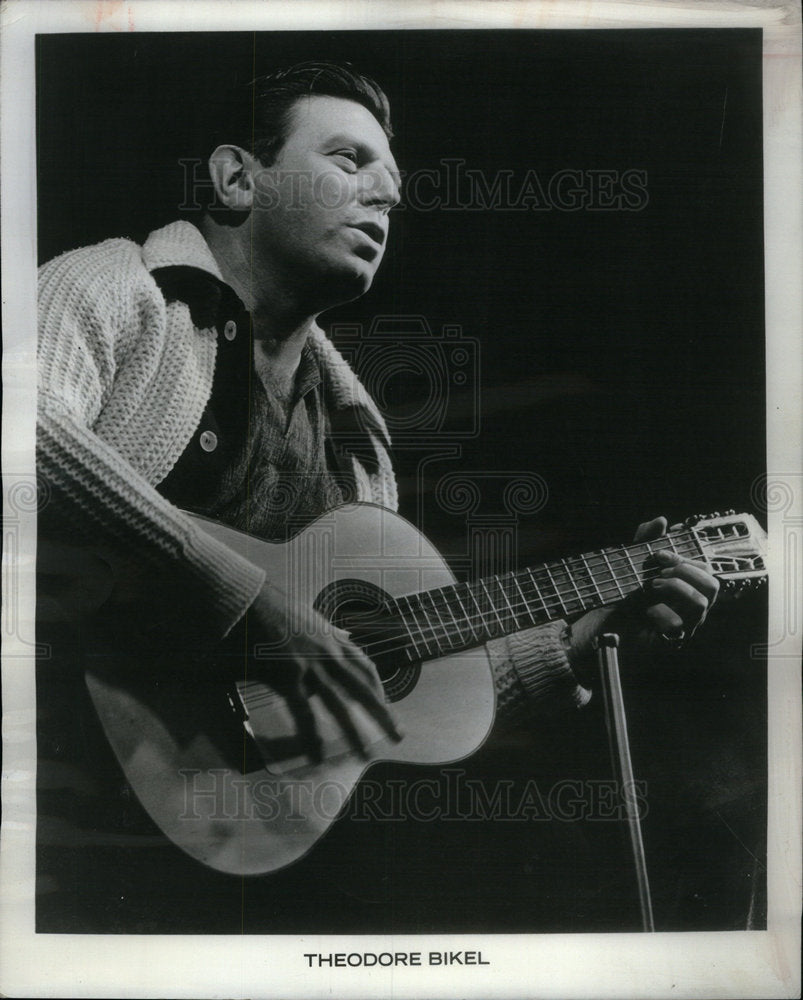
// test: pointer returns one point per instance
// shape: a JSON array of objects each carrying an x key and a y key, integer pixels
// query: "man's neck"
[
  {"x": 280, "y": 323},
  {"x": 276, "y": 364},
  {"x": 280, "y": 326}
]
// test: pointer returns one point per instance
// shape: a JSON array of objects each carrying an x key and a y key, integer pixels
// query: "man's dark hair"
[{"x": 259, "y": 114}]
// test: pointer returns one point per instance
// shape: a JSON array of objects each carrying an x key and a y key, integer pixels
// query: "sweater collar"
[{"x": 179, "y": 244}]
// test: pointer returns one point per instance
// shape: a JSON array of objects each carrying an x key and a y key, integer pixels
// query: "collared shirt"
[
  {"x": 253, "y": 463},
  {"x": 249, "y": 463}
]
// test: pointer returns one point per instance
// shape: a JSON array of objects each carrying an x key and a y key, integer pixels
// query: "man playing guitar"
[{"x": 189, "y": 373}]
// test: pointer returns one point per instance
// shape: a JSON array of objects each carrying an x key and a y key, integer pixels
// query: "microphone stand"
[{"x": 606, "y": 646}]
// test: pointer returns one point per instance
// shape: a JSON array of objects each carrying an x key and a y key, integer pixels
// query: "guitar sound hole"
[{"x": 361, "y": 608}]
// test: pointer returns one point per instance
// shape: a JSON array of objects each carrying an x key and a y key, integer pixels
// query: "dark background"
[{"x": 619, "y": 355}]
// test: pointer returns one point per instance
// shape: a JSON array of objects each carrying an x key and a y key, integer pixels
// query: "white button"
[
  {"x": 230, "y": 330},
  {"x": 208, "y": 440}
]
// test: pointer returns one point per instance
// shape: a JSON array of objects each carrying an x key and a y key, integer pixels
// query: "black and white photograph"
[{"x": 403, "y": 480}]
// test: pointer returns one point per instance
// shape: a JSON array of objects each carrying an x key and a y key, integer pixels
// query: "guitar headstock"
[{"x": 734, "y": 546}]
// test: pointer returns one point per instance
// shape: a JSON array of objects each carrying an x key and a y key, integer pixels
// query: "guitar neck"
[{"x": 463, "y": 615}]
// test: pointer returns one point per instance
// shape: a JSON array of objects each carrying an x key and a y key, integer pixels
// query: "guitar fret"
[
  {"x": 428, "y": 620},
  {"x": 555, "y": 586},
  {"x": 571, "y": 581},
  {"x": 613, "y": 581},
  {"x": 527, "y": 607},
  {"x": 598, "y": 577},
  {"x": 614, "y": 577},
  {"x": 688, "y": 539},
  {"x": 479, "y": 609},
  {"x": 466, "y": 617},
  {"x": 694, "y": 541},
  {"x": 538, "y": 593},
  {"x": 510, "y": 606},
  {"x": 429, "y": 594},
  {"x": 633, "y": 566},
  {"x": 492, "y": 605},
  {"x": 590, "y": 573},
  {"x": 462, "y": 616},
  {"x": 452, "y": 621},
  {"x": 407, "y": 625}
]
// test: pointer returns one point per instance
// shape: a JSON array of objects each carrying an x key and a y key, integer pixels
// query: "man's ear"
[{"x": 231, "y": 170}]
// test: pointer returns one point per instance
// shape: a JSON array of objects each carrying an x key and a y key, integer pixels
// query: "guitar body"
[{"x": 225, "y": 777}]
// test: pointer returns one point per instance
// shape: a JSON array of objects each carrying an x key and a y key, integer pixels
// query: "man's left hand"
[
  {"x": 673, "y": 604},
  {"x": 679, "y": 598}
]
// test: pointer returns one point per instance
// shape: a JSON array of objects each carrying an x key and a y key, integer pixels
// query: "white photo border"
[{"x": 699, "y": 964}]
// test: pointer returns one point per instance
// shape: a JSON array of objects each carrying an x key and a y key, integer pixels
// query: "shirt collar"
[
  {"x": 179, "y": 258},
  {"x": 308, "y": 375}
]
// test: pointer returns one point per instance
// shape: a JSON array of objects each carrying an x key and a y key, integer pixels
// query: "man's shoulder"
[
  {"x": 113, "y": 248},
  {"x": 112, "y": 271},
  {"x": 124, "y": 264},
  {"x": 109, "y": 257}
]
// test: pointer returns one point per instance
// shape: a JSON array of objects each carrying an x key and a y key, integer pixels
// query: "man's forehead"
[{"x": 319, "y": 117}]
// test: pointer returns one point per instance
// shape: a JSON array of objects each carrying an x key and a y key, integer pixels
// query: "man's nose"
[{"x": 379, "y": 188}]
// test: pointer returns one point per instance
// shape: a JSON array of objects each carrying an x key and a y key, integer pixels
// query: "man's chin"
[{"x": 351, "y": 282}]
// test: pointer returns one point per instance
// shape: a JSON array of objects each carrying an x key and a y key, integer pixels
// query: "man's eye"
[{"x": 349, "y": 156}]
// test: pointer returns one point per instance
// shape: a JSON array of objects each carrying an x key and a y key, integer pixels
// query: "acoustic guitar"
[{"x": 221, "y": 768}]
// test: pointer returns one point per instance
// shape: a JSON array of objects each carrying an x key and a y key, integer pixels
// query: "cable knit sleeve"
[
  {"x": 531, "y": 668},
  {"x": 93, "y": 309}
]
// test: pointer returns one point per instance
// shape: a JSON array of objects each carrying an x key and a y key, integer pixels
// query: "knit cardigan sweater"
[{"x": 124, "y": 376}]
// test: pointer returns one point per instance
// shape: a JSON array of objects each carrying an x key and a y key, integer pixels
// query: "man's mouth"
[{"x": 372, "y": 230}]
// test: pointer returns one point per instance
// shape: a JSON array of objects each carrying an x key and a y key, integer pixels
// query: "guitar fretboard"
[{"x": 463, "y": 615}]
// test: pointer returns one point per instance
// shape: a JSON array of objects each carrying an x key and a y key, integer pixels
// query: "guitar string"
[
  {"x": 549, "y": 602},
  {"x": 552, "y": 606},
  {"x": 390, "y": 646},
  {"x": 264, "y": 695},
  {"x": 557, "y": 604}
]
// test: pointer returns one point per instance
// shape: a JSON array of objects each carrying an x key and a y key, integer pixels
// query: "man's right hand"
[{"x": 308, "y": 655}]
